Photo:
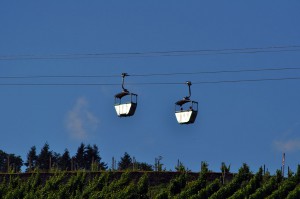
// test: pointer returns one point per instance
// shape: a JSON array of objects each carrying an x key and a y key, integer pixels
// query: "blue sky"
[{"x": 237, "y": 122}]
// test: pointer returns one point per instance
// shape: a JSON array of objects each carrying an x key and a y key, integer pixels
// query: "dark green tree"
[
  {"x": 89, "y": 157},
  {"x": 92, "y": 157},
  {"x": 10, "y": 162},
  {"x": 44, "y": 158},
  {"x": 55, "y": 160},
  {"x": 3, "y": 161},
  {"x": 143, "y": 166},
  {"x": 15, "y": 162},
  {"x": 32, "y": 158},
  {"x": 80, "y": 157},
  {"x": 125, "y": 162},
  {"x": 64, "y": 162}
]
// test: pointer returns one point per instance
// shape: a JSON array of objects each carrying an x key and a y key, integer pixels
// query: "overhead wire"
[
  {"x": 269, "y": 49},
  {"x": 150, "y": 83},
  {"x": 217, "y": 72},
  {"x": 152, "y": 74},
  {"x": 58, "y": 76},
  {"x": 248, "y": 80}
]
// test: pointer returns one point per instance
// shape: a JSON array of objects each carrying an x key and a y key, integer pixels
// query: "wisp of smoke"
[{"x": 80, "y": 121}]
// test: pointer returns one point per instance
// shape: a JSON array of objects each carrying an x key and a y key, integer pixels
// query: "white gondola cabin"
[
  {"x": 186, "y": 110},
  {"x": 125, "y": 102},
  {"x": 186, "y": 115},
  {"x": 127, "y": 108}
]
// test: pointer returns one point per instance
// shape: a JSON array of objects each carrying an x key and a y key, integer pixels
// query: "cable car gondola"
[
  {"x": 186, "y": 110},
  {"x": 127, "y": 108}
]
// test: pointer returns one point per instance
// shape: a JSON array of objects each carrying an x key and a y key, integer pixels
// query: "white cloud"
[
  {"x": 80, "y": 121},
  {"x": 287, "y": 145}
]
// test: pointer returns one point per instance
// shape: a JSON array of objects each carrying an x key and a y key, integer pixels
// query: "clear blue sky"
[{"x": 237, "y": 122}]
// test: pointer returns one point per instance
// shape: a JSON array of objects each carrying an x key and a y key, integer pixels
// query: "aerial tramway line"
[{"x": 186, "y": 110}]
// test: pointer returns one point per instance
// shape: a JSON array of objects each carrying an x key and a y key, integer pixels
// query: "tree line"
[{"x": 87, "y": 157}]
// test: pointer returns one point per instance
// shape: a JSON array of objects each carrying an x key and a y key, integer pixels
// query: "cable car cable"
[
  {"x": 248, "y": 80},
  {"x": 287, "y": 48},
  {"x": 58, "y": 76},
  {"x": 151, "y": 74},
  {"x": 149, "y": 83},
  {"x": 216, "y": 72}
]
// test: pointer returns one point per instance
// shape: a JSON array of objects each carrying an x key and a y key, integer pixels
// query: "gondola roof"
[
  {"x": 183, "y": 101},
  {"x": 122, "y": 94}
]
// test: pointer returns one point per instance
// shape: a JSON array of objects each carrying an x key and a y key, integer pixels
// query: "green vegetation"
[
  {"x": 229, "y": 189},
  {"x": 250, "y": 187},
  {"x": 128, "y": 184},
  {"x": 51, "y": 175}
]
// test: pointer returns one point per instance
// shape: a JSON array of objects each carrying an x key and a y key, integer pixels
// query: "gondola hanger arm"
[
  {"x": 189, "y": 83},
  {"x": 123, "y": 79}
]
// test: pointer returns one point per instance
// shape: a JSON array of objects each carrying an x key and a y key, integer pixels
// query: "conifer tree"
[
  {"x": 125, "y": 162},
  {"x": 80, "y": 157},
  {"x": 64, "y": 162},
  {"x": 32, "y": 158},
  {"x": 44, "y": 158}
]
